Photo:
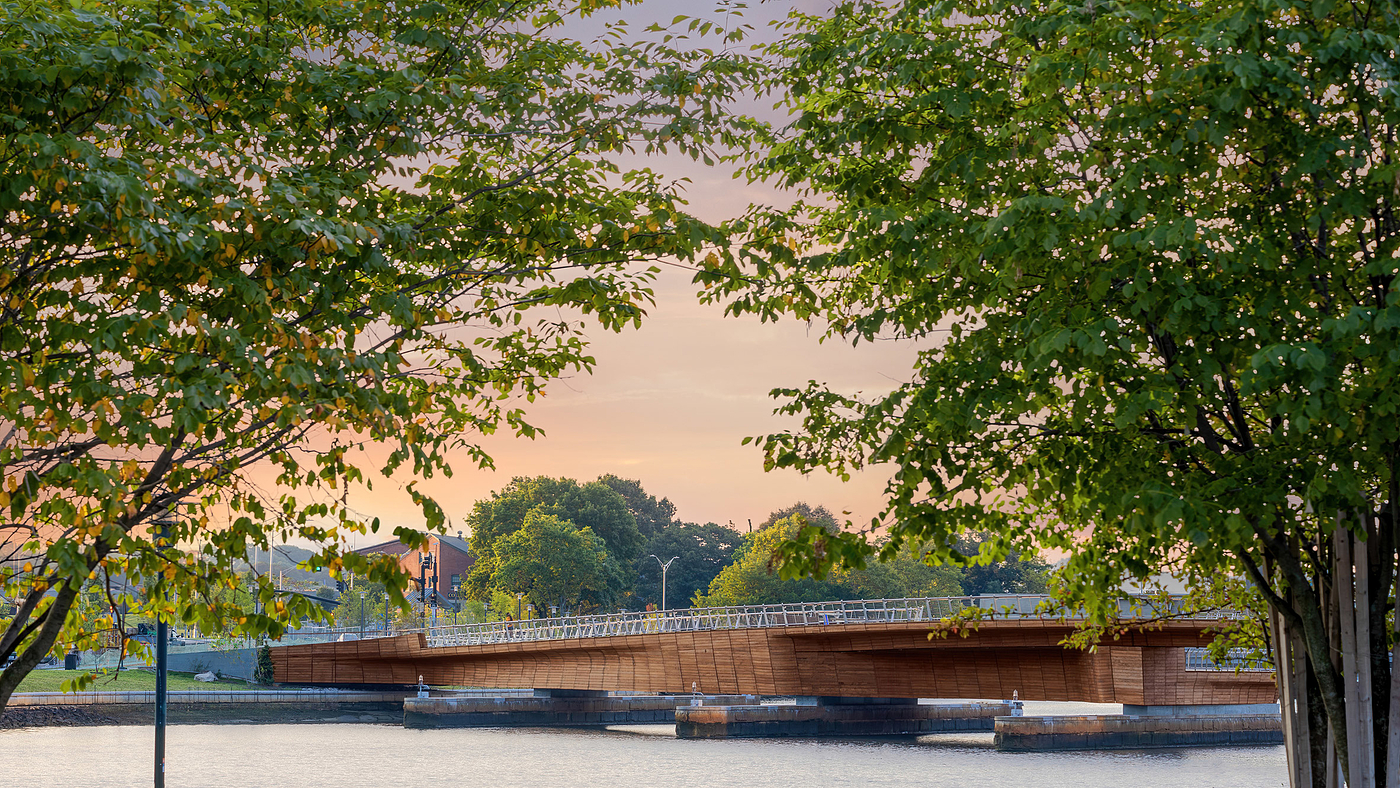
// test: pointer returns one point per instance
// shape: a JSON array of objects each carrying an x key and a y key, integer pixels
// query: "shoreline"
[
  {"x": 215, "y": 713},
  {"x": 214, "y": 706}
]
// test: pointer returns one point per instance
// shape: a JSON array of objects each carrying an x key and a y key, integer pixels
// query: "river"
[{"x": 351, "y": 755}]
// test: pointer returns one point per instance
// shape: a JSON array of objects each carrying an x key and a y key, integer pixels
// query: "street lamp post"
[
  {"x": 362, "y": 615},
  {"x": 664, "y": 567},
  {"x": 162, "y": 541}
]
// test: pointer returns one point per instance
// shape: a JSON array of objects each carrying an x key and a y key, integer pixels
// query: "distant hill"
[{"x": 285, "y": 559}]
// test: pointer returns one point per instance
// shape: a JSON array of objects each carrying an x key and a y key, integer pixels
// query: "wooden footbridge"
[{"x": 869, "y": 649}]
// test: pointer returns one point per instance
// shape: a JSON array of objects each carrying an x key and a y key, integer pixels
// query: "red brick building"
[{"x": 449, "y": 561}]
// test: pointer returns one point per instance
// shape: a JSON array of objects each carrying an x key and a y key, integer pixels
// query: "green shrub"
[{"x": 262, "y": 674}]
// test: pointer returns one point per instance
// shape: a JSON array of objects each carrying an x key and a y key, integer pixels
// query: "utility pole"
[
  {"x": 423, "y": 583},
  {"x": 664, "y": 567}
]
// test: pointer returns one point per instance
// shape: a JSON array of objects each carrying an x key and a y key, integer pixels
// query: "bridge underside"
[{"x": 893, "y": 660}]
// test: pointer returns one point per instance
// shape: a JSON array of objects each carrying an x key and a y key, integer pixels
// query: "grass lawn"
[{"x": 52, "y": 681}]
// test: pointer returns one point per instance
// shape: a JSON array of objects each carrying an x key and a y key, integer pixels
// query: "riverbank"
[
  {"x": 207, "y": 705},
  {"x": 17, "y": 717}
]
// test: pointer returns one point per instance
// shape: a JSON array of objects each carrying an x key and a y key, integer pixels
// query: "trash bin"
[{"x": 70, "y": 661}]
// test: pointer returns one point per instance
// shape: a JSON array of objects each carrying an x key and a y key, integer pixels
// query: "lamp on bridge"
[{"x": 664, "y": 567}]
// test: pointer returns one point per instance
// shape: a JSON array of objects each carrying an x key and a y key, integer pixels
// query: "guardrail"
[
  {"x": 1237, "y": 660},
  {"x": 767, "y": 616}
]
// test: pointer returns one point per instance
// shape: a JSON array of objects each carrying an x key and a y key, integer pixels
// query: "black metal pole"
[
  {"x": 162, "y": 535},
  {"x": 161, "y": 666}
]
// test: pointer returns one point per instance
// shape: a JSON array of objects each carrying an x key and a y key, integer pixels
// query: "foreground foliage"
[
  {"x": 1151, "y": 253},
  {"x": 241, "y": 240}
]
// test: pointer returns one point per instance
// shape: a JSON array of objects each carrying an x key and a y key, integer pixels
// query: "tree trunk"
[
  {"x": 43, "y": 640},
  {"x": 1353, "y": 617},
  {"x": 1338, "y": 693},
  {"x": 1291, "y": 674},
  {"x": 1392, "y": 763}
]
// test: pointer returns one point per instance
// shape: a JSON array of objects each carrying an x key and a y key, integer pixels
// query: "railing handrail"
[{"x": 1016, "y": 606}]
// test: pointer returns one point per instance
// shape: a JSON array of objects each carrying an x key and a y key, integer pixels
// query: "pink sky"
[{"x": 669, "y": 404}]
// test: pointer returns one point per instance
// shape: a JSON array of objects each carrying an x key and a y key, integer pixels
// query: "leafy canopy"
[
  {"x": 241, "y": 235},
  {"x": 553, "y": 563},
  {"x": 754, "y": 579},
  {"x": 1150, "y": 251},
  {"x": 594, "y": 506}
]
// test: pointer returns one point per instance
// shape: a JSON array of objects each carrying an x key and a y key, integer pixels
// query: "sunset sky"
[{"x": 670, "y": 403}]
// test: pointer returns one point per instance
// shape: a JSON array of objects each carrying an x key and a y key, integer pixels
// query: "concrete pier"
[
  {"x": 828, "y": 716},
  {"x": 548, "y": 708},
  {"x": 1143, "y": 727}
]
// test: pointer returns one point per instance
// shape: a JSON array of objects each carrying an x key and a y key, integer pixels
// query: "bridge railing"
[
  {"x": 768, "y": 616},
  {"x": 1237, "y": 660}
]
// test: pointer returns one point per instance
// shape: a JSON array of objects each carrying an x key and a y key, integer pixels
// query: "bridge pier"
[
  {"x": 549, "y": 708},
  {"x": 835, "y": 716},
  {"x": 1141, "y": 727}
]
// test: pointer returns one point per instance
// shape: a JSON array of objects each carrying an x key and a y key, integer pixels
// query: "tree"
[
  {"x": 751, "y": 579},
  {"x": 907, "y": 575},
  {"x": 701, "y": 552},
  {"x": 1151, "y": 251},
  {"x": 262, "y": 674},
  {"x": 554, "y": 563},
  {"x": 814, "y": 515},
  {"x": 247, "y": 234},
  {"x": 597, "y": 507},
  {"x": 594, "y": 506},
  {"x": 354, "y": 611},
  {"x": 652, "y": 516},
  {"x": 1011, "y": 575}
]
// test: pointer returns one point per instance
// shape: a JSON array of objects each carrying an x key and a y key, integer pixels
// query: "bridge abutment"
[
  {"x": 1142, "y": 727},
  {"x": 835, "y": 716}
]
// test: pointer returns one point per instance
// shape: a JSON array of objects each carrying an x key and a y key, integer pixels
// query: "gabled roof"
[
  {"x": 456, "y": 543},
  {"x": 378, "y": 548}
]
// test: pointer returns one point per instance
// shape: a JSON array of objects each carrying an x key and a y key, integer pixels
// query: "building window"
[{"x": 456, "y": 580}]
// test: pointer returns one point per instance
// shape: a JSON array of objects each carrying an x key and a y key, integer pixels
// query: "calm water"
[{"x": 352, "y": 755}]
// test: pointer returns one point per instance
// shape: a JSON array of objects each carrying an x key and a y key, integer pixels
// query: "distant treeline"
[{"x": 586, "y": 547}]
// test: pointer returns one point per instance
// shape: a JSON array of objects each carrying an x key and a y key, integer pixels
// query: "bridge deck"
[{"x": 880, "y": 656}]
